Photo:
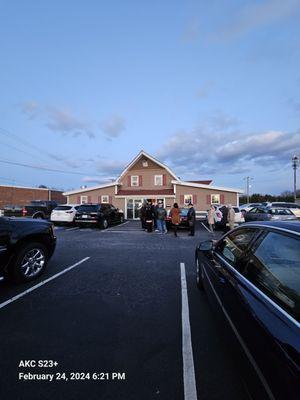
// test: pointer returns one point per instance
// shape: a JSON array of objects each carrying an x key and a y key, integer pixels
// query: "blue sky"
[{"x": 211, "y": 88}]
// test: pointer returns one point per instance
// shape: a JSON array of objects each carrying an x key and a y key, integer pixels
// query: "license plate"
[{"x": 84, "y": 216}]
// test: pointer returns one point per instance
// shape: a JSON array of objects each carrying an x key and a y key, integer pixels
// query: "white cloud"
[
  {"x": 254, "y": 16},
  {"x": 113, "y": 126}
]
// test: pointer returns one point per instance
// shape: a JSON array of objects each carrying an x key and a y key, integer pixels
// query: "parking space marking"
[
  {"x": 72, "y": 229},
  {"x": 112, "y": 228},
  {"x": 12, "y": 299},
  {"x": 189, "y": 382},
  {"x": 205, "y": 227}
]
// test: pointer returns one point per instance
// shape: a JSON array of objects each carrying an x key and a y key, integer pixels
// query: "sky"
[{"x": 210, "y": 88}]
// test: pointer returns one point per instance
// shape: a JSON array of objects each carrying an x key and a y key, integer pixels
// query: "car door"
[
  {"x": 262, "y": 302},
  {"x": 251, "y": 215},
  {"x": 4, "y": 242}
]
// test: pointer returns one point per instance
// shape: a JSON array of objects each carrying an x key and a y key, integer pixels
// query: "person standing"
[
  {"x": 154, "y": 211},
  {"x": 211, "y": 218},
  {"x": 231, "y": 217},
  {"x": 224, "y": 220},
  {"x": 161, "y": 214},
  {"x": 191, "y": 217},
  {"x": 149, "y": 216},
  {"x": 143, "y": 215},
  {"x": 175, "y": 217}
]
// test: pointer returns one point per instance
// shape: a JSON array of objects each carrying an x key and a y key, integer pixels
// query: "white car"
[
  {"x": 239, "y": 217},
  {"x": 64, "y": 214}
]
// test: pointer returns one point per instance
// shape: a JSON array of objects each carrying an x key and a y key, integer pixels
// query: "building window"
[
  {"x": 188, "y": 198},
  {"x": 105, "y": 198},
  {"x": 83, "y": 199},
  {"x": 134, "y": 180},
  {"x": 158, "y": 180},
  {"x": 145, "y": 163},
  {"x": 215, "y": 199}
]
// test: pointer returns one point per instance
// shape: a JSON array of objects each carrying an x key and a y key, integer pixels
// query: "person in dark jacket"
[
  {"x": 149, "y": 216},
  {"x": 223, "y": 222},
  {"x": 143, "y": 215},
  {"x": 191, "y": 217}
]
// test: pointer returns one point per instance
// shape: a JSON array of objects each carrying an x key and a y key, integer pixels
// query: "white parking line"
[
  {"x": 205, "y": 227},
  {"x": 112, "y": 228},
  {"x": 189, "y": 382},
  {"x": 12, "y": 299},
  {"x": 72, "y": 229}
]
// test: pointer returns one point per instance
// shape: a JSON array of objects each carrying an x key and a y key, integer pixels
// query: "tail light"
[{"x": 24, "y": 212}]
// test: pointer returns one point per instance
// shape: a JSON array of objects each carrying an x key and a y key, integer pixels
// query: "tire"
[
  {"x": 104, "y": 224},
  {"x": 29, "y": 262},
  {"x": 199, "y": 275},
  {"x": 38, "y": 216}
]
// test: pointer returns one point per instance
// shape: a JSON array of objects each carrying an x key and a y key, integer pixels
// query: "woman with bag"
[
  {"x": 211, "y": 218},
  {"x": 175, "y": 217}
]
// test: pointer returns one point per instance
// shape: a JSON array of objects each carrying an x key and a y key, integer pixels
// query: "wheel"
[
  {"x": 29, "y": 262},
  {"x": 199, "y": 275},
  {"x": 104, "y": 224},
  {"x": 40, "y": 216}
]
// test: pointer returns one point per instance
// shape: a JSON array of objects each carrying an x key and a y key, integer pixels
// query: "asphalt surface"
[{"x": 118, "y": 312}]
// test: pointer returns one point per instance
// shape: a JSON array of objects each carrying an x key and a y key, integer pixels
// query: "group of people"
[
  {"x": 153, "y": 216},
  {"x": 227, "y": 218}
]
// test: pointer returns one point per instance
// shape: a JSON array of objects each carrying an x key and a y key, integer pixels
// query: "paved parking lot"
[{"x": 112, "y": 306}]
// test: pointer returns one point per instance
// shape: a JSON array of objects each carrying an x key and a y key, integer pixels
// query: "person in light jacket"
[
  {"x": 211, "y": 218},
  {"x": 161, "y": 214},
  {"x": 230, "y": 216}
]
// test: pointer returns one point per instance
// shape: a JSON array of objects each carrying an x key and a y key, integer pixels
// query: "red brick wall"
[{"x": 22, "y": 196}]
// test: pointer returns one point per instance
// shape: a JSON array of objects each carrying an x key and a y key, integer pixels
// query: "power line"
[{"x": 43, "y": 168}]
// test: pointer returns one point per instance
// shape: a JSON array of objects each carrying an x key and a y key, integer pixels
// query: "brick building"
[
  {"x": 147, "y": 178},
  {"x": 19, "y": 195}
]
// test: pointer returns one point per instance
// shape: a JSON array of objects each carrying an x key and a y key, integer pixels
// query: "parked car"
[
  {"x": 295, "y": 208},
  {"x": 100, "y": 215},
  {"x": 25, "y": 247},
  {"x": 251, "y": 276},
  {"x": 39, "y": 209},
  {"x": 269, "y": 214},
  {"x": 247, "y": 207},
  {"x": 64, "y": 214},
  {"x": 183, "y": 218},
  {"x": 13, "y": 210}
]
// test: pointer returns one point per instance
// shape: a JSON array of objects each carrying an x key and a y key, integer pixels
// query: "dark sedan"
[
  {"x": 252, "y": 274},
  {"x": 269, "y": 214},
  {"x": 99, "y": 215},
  {"x": 25, "y": 248}
]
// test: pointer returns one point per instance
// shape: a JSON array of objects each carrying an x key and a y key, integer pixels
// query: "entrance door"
[{"x": 133, "y": 208}]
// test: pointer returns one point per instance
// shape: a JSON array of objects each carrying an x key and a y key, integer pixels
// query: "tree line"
[{"x": 286, "y": 196}]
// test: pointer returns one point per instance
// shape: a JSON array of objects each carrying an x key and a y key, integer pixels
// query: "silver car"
[{"x": 269, "y": 214}]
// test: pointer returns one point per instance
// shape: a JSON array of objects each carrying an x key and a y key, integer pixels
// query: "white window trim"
[
  {"x": 134, "y": 180},
  {"x": 211, "y": 197},
  {"x": 83, "y": 199},
  {"x": 188, "y": 198},
  {"x": 107, "y": 196},
  {"x": 161, "y": 179}
]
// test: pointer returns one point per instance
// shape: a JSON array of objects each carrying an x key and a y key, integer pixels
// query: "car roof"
[{"x": 292, "y": 226}]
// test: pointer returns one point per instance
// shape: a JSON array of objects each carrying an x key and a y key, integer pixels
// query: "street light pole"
[
  {"x": 295, "y": 164},
  {"x": 248, "y": 188}
]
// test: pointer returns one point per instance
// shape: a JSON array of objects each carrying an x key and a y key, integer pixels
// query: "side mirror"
[{"x": 208, "y": 245}]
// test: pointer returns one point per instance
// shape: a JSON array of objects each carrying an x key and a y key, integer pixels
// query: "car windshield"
[
  {"x": 63, "y": 208},
  {"x": 37, "y": 202},
  {"x": 280, "y": 211},
  {"x": 88, "y": 208},
  {"x": 236, "y": 209}
]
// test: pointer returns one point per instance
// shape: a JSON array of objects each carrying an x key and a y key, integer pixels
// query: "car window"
[
  {"x": 88, "y": 208},
  {"x": 63, "y": 208},
  {"x": 236, "y": 209},
  {"x": 275, "y": 270},
  {"x": 253, "y": 210},
  {"x": 278, "y": 211},
  {"x": 233, "y": 246}
]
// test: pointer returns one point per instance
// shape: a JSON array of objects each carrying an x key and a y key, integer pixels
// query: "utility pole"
[
  {"x": 248, "y": 187},
  {"x": 295, "y": 165}
]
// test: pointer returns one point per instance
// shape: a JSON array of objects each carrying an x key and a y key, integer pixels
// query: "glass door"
[{"x": 137, "y": 204}]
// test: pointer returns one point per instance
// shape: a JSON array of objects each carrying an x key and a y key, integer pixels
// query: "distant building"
[
  {"x": 19, "y": 195},
  {"x": 146, "y": 178}
]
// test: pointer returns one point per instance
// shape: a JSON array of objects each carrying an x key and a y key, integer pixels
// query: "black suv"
[
  {"x": 100, "y": 215},
  {"x": 26, "y": 245}
]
